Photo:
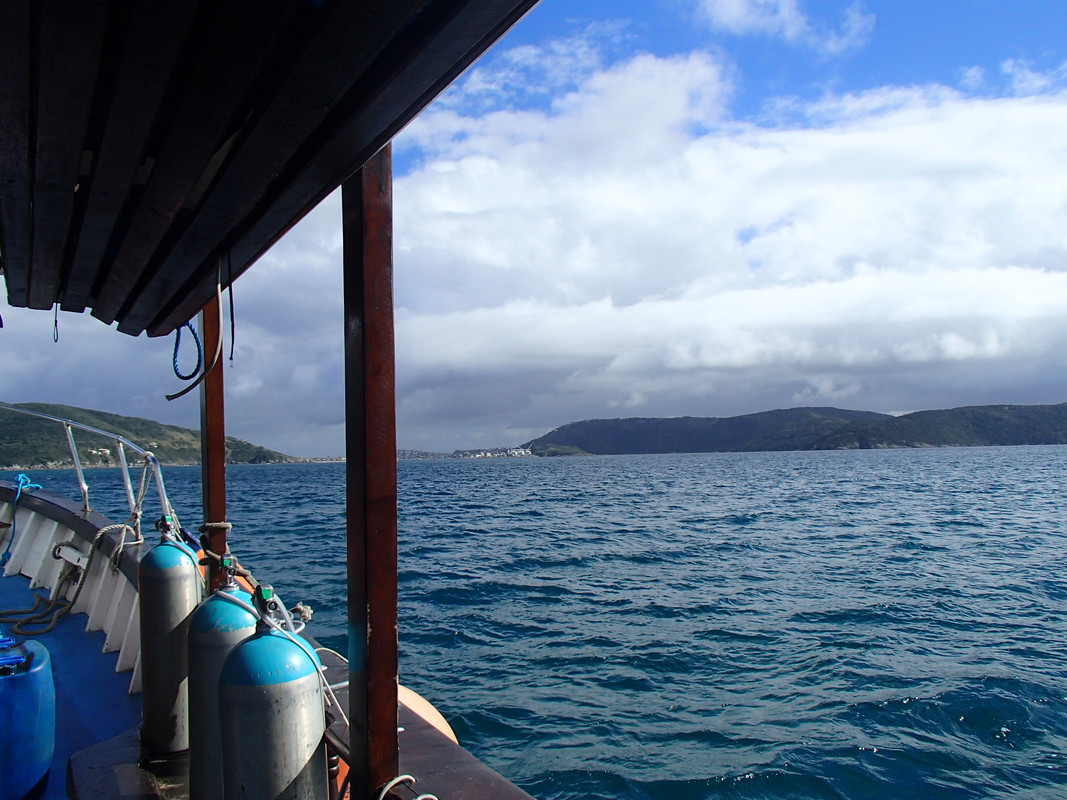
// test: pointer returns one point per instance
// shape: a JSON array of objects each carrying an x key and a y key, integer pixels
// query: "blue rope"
[
  {"x": 199, "y": 351},
  {"x": 24, "y": 482}
]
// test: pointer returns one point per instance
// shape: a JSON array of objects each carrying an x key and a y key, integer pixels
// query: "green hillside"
[
  {"x": 810, "y": 429},
  {"x": 786, "y": 429},
  {"x": 970, "y": 426},
  {"x": 27, "y": 441}
]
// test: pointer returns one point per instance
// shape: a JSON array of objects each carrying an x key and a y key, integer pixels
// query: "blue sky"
[
  {"x": 892, "y": 43},
  {"x": 676, "y": 207}
]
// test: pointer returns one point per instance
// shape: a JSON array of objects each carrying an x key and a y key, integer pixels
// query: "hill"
[
  {"x": 32, "y": 442},
  {"x": 970, "y": 426},
  {"x": 809, "y": 429},
  {"x": 787, "y": 429}
]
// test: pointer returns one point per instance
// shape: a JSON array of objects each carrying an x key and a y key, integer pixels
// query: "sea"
[{"x": 855, "y": 624}]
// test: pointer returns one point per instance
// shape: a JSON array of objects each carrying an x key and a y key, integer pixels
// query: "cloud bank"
[
  {"x": 581, "y": 235},
  {"x": 633, "y": 250}
]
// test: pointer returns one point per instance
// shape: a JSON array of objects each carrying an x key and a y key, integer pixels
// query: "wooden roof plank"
[
  {"x": 466, "y": 30},
  {"x": 229, "y": 46},
  {"x": 143, "y": 251},
  {"x": 70, "y": 37},
  {"x": 153, "y": 43},
  {"x": 15, "y": 223},
  {"x": 344, "y": 46}
]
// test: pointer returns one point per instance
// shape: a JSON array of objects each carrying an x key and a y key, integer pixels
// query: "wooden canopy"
[{"x": 142, "y": 144}]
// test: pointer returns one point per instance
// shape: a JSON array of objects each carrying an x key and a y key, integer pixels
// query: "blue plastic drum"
[{"x": 27, "y": 718}]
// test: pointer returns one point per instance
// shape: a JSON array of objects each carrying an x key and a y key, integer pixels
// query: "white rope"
[
  {"x": 399, "y": 779},
  {"x": 342, "y": 684}
]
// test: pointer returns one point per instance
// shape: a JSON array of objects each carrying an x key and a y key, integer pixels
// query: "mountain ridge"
[
  {"x": 809, "y": 428},
  {"x": 35, "y": 443}
]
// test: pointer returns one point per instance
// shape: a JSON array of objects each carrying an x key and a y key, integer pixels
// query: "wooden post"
[
  {"x": 370, "y": 420},
  {"x": 213, "y": 438}
]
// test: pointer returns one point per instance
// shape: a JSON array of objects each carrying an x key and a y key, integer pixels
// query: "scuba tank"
[
  {"x": 169, "y": 584},
  {"x": 216, "y": 627},
  {"x": 273, "y": 716}
]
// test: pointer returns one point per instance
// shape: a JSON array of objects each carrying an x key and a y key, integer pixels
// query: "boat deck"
[
  {"x": 97, "y": 718},
  {"x": 92, "y": 699}
]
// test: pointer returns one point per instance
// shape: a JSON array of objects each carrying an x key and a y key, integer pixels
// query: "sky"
[{"x": 657, "y": 208}]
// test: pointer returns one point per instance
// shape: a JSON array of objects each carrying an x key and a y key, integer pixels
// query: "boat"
[{"x": 150, "y": 153}]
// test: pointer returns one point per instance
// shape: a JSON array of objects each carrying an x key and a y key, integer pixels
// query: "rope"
[
  {"x": 218, "y": 347},
  {"x": 57, "y": 608},
  {"x": 216, "y": 526},
  {"x": 131, "y": 525},
  {"x": 341, "y": 684},
  {"x": 207, "y": 539},
  {"x": 199, "y": 352},
  {"x": 24, "y": 482},
  {"x": 49, "y": 617},
  {"x": 399, "y": 779},
  {"x": 229, "y": 282}
]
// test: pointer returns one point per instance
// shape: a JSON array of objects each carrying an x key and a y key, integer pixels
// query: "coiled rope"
[
  {"x": 51, "y": 610},
  {"x": 199, "y": 360},
  {"x": 199, "y": 351},
  {"x": 46, "y": 613}
]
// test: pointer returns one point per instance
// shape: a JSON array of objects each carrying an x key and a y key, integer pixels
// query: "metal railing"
[{"x": 121, "y": 443}]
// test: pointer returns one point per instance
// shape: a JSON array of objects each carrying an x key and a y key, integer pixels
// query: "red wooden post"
[
  {"x": 213, "y": 439},
  {"x": 370, "y": 419}
]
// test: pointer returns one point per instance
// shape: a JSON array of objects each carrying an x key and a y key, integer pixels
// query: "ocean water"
[{"x": 875, "y": 624}]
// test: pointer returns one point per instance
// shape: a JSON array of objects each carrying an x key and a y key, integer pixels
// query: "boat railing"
[{"x": 122, "y": 444}]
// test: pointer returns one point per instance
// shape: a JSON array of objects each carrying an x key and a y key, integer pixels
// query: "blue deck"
[{"x": 92, "y": 700}]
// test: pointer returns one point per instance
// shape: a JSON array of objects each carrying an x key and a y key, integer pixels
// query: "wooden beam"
[
  {"x": 442, "y": 41},
  {"x": 69, "y": 57},
  {"x": 147, "y": 53},
  {"x": 16, "y": 157},
  {"x": 227, "y": 46},
  {"x": 326, "y": 52},
  {"x": 370, "y": 419}
]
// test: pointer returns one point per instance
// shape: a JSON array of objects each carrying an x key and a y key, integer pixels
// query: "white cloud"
[
  {"x": 1024, "y": 81},
  {"x": 534, "y": 75},
  {"x": 972, "y": 79},
  {"x": 892, "y": 248},
  {"x": 785, "y": 19}
]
